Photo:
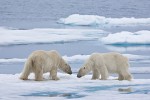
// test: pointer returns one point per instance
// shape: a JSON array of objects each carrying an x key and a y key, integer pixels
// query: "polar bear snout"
[
  {"x": 83, "y": 71},
  {"x": 68, "y": 70},
  {"x": 79, "y": 76}
]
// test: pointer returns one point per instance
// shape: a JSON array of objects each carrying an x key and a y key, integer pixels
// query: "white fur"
[
  {"x": 105, "y": 63},
  {"x": 41, "y": 62}
]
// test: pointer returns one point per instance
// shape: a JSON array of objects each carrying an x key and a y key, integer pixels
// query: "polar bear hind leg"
[
  {"x": 26, "y": 70},
  {"x": 120, "y": 77},
  {"x": 124, "y": 75},
  {"x": 123, "y": 69},
  {"x": 128, "y": 76}
]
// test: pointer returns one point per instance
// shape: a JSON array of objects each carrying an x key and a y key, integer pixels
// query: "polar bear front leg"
[
  {"x": 120, "y": 77},
  {"x": 53, "y": 74},
  {"x": 96, "y": 74},
  {"x": 104, "y": 73},
  {"x": 39, "y": 74}
]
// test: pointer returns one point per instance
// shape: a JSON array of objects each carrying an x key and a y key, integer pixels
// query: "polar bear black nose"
[
  {"x": 78, "y": 76},
  {"x": 70, "y": 72}
]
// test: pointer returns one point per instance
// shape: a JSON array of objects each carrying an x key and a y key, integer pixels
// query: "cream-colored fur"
[
  {"x": 105, "y": 63},
  {"x": 41, "y": 61}
]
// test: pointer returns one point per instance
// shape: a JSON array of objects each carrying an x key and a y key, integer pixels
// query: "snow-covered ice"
[
  {"x": 71, "y": 87},
  {"x": 46, "y": 35},
  {"x": 92, "y": 20},
  {"x": 140, "y": 37},
  {"x": 126, "y": 48},
  {"x": 12, "y": 60},
  {"x": 110, "y": 28}
]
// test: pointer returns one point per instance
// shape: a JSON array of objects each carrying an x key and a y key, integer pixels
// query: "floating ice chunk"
[
  {"x": 77, "y": 19},
  {"x": 12, "y": 60},
  {"x": 76, "y": 58},
  {"x": 91, "y": 20},
  {"x": 127, "y": 48},
  {"x": 140, "y": 37},
  {"x": 9, "y": 36}
]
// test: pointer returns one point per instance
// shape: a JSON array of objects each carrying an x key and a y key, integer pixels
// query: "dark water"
[
  {"x": 122, "y": 89},
  {"x": 56, "y": 94},
  {"x": 26, "y": 14}
]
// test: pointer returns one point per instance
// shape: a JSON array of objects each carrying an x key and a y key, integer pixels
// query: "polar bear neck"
[
  {"x": 61, "y": 63},
  {"x": 88, "y": 66}
]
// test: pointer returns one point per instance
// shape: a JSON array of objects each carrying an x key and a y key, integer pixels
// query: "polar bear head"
[
  {"x": 64, "y": 66},
  {"x": 85, "y": 69}
]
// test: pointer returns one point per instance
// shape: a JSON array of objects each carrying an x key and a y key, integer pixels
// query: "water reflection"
[
  {"x": 128, "y": 89},
  {"x": 56, "y": 94},
  {"x": 136, "y": 90}
]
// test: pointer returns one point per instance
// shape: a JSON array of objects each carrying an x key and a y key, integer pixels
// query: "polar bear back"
[
  {"x": 55, "y": 55},
  {"x": 45, "y": 59},
  {"x": 113, "y": 61},
  {"x": 116, "y": 62}
]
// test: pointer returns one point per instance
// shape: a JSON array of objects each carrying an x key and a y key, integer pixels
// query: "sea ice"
[
  {"x": 44, "y": 35},
  {"x": 71, "y": 87},
  {"x": 127, "y": 38},
  {"x": 92, "y": 20}
]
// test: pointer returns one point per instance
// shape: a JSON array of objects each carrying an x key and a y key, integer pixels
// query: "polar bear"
[
  {"x": 105, "y": 63},
  {"x": 41, "y": 61}
]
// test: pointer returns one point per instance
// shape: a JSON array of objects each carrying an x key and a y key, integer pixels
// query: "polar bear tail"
[{"x": 27, "y": 69}]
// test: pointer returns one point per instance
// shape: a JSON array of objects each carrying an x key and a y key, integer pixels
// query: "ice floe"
[
  {"x": 122, "y": 48},
  {"x": 71, "y": 87},
  {"x": 46, "y": 35},
  {"x": 92, "y": 20},
  {"x": 127, "y": 38}
]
